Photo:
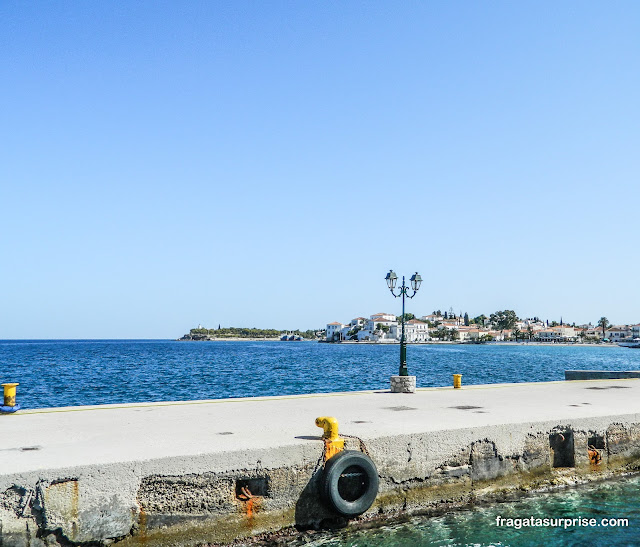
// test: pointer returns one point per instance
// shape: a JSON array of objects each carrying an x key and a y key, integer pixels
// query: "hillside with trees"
[{"x": 201, "y": 333}]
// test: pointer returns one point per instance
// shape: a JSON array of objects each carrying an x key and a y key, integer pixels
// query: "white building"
[
  {"x": 375, "y": 326},
  {"x": 618, "y": 333},
  {"x": 383, "y": 316},
  {"x": 432, "y": 317},
  {"x": 592, "y": 332},
  {"x": 414, "y": 331},
  {"x": 334, "y": 329},
  {"x": 366, "y": 334},
  {"x": 472, "y": 333},
  {"x": 557, "y": 334}
]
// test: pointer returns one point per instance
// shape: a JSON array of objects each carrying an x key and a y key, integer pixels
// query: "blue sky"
[{"x": 165, "y": 164}]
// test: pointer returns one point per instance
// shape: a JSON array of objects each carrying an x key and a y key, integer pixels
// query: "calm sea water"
[
  {"x": 90, "y": 372},
  {"x": 618, "y": 499}
]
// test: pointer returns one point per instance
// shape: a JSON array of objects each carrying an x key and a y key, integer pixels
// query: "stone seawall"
[{"x": 172, "y": 474}]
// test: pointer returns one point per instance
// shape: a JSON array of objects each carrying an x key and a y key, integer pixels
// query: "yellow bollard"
[
  {"x": 333, "y": 443},
  {"x": 457, "y": 381},
  {"x": 10, "y": 394}
]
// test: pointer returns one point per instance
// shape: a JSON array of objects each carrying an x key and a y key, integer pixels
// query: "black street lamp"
[{"x": 391, "y": 279}]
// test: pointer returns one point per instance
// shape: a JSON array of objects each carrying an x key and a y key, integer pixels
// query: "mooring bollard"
[
  {"x": 457, "y": 381},
  {"x": 10, "y": 398},
  {"x": 333, "y": 443}
]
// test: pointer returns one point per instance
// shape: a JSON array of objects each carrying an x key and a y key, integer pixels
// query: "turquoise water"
[
  {"x": 88, "y": 372},
  {"x": 618, "y": 499}
]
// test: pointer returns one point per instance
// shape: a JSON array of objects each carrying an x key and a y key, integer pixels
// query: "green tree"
[
  {"x": 440, "y": 333},
  {"x": 504, "y": 320},
  {"x": 516, "y": 333},
  {"x": 604, "y": 325},
  {"x": 466, "y": 319},
  {"x": 530, "y": 332},
  {"x": 407, "y": 317}
]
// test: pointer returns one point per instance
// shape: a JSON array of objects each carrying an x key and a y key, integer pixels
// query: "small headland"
[{"x": 201, "y": 334}]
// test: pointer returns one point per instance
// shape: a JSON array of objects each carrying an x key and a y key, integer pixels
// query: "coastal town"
[
  {"x": 501, "y": 326},
  {"x": 438, "y": 327}
]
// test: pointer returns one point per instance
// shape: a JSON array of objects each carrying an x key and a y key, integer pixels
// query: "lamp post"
[{"x": 391, "y": 280}]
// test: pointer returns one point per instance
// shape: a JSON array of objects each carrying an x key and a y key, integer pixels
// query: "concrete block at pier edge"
[{"x": 600, "y": 374}]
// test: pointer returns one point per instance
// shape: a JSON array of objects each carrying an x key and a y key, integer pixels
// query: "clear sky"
[{"x": 264, "y": 164}]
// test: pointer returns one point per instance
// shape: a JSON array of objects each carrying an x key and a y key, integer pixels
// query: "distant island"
[{"x": 234, "y": 333}]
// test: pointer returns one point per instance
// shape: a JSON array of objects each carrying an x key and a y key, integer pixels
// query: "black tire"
[{"x": 349, "y": 483}]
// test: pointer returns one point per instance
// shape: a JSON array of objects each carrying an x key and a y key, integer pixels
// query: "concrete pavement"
[{"x": 80, "y": 436}]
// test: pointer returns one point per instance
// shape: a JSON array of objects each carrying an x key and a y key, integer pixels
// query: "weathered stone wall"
[{"x": 189, "y": 502}]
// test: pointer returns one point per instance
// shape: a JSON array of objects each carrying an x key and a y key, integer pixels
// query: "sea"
[
  {"x": 56, "y": 373},
  {"x": 614, "y": 502}
]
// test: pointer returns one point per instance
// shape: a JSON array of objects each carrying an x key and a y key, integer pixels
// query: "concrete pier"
[
  {"x": 170, "y": 473},
  {"x": 600, "y": 374}
]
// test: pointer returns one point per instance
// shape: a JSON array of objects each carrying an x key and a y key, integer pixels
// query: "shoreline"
[
  {"x": 395, "y": 342},
  {"x": 238, "y": 339},
  {"x": 450, "y": 343}
]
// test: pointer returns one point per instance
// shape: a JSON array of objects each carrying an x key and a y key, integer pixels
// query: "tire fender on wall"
[{"x": 359, "y": 486}]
